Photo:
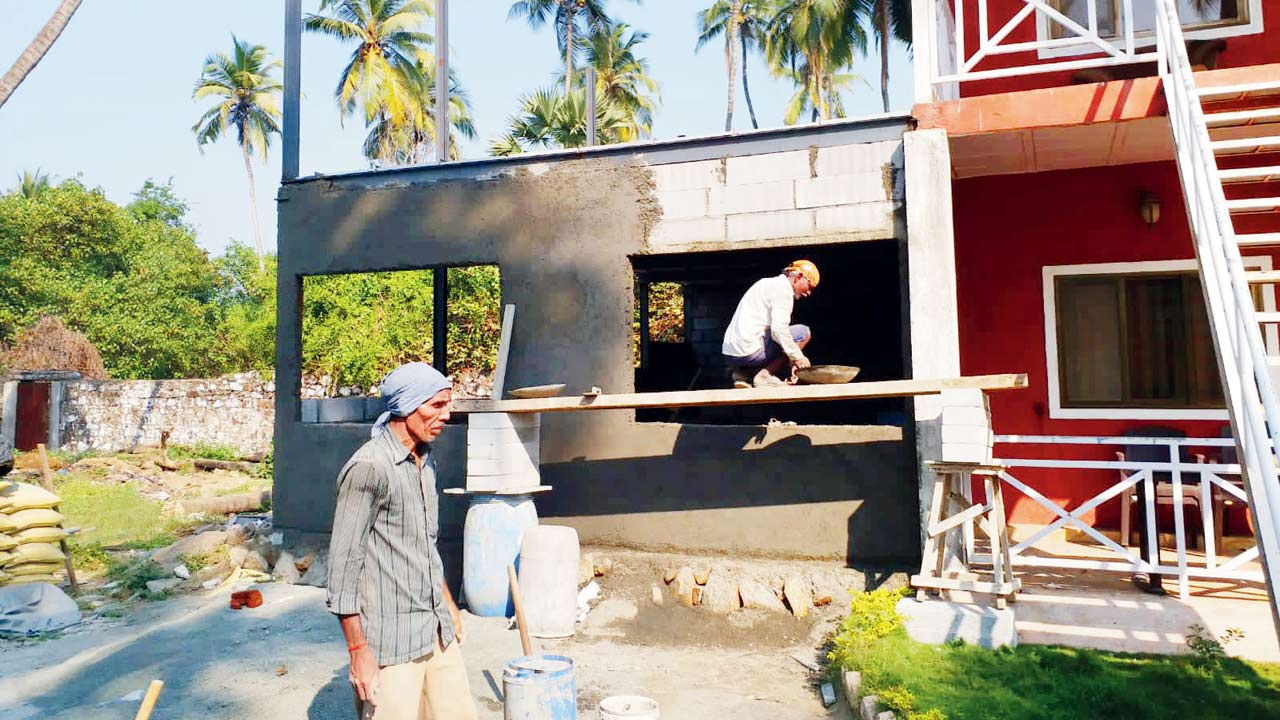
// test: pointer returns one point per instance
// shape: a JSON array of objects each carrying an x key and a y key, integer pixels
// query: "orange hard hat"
[{"x": 807, "y": 269}]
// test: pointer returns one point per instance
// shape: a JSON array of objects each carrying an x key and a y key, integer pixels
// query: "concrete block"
[
  {"x": 756, "y": 197},
  {"x": 751, "y": 169},
  {"x": 769, "y": 225},
  {"x": 334, "y": 410},
  {"x": 861, "y": 218},
  {"x": 964, "y": 397},
  {"x": 503, "y": 421},
  {"x": 311, "y": 410},
  {"x": 972, "y": 416},
  {"x": 966, "y": 453},
  {"x": 841, "y": 190},
  {"x": 858, "y": 159},
  {"x": 683, "y": 204},
  {"x": 686, "y": 232},
  {"x": 686, "y": 176},
  {"x": 967, "y": 435},
  {"x": 937, "y": 622},
  {"x": 482, "y": 483},
  {"x": 493, "y": 452},
  {"x": 477, "y": 435},
  {"x": 852, "y": 681},
  {"x": 507, "y": 463}
]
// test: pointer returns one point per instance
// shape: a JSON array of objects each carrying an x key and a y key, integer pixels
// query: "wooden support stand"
[{"x": 953, "y": 489}]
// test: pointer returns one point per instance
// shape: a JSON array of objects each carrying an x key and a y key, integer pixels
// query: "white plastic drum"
[
  {"x": 628, "y": 707},
  {"x": 549, "y": 580}
]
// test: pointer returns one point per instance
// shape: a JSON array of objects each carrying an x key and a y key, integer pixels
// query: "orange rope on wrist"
[{"x": 357, "y": 646}]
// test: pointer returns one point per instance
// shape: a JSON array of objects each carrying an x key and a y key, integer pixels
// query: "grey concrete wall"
[{"x": 563, "y": 232}]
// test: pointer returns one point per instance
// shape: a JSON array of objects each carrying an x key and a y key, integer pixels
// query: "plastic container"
[
  {"x": 490, "y": 541},
  {"x": 539, "y": 688},
  {"x": 549, "y": 580},
  {"x": 628, "y": 707}
]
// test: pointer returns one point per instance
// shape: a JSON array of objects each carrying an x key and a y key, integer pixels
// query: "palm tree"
[
  {"x": 385, "y": 68},
  {"x": 622, "y": 78},
  {"x": 745, "y": 20},
  {"x": 31, "y": 184},
  {"x": 570, "y": 17},
  {"x": 35, "y": 51},
  {"x": 892, "y": 19},
  {"x": 248, "y": 101},
  {"x": 810, "y": 41},
  {"x": 414, "y": 140},
  {"x": 549, "y": 119}
]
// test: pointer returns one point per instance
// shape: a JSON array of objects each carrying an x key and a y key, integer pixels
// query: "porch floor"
[{"x": 1102, "y": 609}]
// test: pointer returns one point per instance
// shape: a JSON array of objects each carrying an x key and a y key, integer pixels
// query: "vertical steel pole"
[
  {"x": 590, "y": 81},
  {"x": 440, "y": 319},
  {"x": 292, "y": 87},
  {"x": 442, "y": 80}
]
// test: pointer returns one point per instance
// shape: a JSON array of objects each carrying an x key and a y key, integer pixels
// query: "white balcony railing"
[
  {"x": 945, "y": 60},
  {"x": 1208, "y": 487}
]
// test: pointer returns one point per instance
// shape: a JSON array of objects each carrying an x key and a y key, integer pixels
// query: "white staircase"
[{"x": 1241, "y": 158}]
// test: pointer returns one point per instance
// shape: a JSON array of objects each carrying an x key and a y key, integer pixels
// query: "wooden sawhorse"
[{"x": 953, "y": 483}]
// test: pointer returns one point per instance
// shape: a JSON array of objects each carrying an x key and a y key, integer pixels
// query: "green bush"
[
  {"x": 133, "y": 575},
  {"x": 206, "y": 451},
  {"x": 872, "y": 615}
]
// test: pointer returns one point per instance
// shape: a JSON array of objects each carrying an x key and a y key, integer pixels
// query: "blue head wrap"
[{"x": 406, "y": 388}]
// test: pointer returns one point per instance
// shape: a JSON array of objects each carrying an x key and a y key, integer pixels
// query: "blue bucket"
[{"x": 540, "y": 688}]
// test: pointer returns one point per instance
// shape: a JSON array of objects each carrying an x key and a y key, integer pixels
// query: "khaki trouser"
[{"x": 433, "y": 687}]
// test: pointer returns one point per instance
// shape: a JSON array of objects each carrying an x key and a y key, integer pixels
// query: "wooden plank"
[
  {"x": 748, "y": 396},
  {"x": 46, "y": 479},
  {"x": 964, "y": 515},
  {"x": 504, "y": 352}
]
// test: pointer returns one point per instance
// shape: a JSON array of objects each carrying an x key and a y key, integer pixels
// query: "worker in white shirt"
[{"x": 761, "y": 346}]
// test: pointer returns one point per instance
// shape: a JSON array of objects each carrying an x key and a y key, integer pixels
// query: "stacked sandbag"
[{"x": 30, "y": 530}]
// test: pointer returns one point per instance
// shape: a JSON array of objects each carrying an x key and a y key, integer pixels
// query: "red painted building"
[{"x": 1061, "y": 155}]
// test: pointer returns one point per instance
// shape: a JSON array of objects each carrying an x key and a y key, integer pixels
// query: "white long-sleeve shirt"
[{"x": 764, "y": 311}]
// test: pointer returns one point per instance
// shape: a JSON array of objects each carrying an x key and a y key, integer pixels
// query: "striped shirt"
[{"x": 383, "y": 560}]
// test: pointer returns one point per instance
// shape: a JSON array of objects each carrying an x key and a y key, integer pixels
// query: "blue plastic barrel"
[
  {"x": 491, "y": 541},
  {"x": 540, "y": 688}
]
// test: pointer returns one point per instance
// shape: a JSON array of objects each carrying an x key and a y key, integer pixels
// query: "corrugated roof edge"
[{"x": 871, "y": 128}]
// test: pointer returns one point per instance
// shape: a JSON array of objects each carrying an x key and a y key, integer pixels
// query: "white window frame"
[
  {"x": 1145, "y": 39},
  {"x": 1050, "y": 275}
]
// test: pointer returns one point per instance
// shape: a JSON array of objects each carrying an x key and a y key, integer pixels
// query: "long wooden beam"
[{"x": 788, "y": 394}]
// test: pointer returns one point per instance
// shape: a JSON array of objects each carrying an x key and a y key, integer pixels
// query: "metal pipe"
[
  {"x": 292, "y": 88},
  {"x": 442, "y": 80},
  {"x": 590, "y": 81}
]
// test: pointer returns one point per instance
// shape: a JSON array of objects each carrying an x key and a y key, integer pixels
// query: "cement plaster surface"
[{"x": 563, "y": 238}]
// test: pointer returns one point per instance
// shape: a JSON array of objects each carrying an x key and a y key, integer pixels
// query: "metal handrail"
[{"x": 1252, "y": 402}]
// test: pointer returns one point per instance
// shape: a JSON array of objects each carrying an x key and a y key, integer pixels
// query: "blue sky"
[{"x": 111, "y": 102}]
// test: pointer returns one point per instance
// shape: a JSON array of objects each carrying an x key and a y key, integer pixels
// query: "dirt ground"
[{"x": 285, "y": 660}]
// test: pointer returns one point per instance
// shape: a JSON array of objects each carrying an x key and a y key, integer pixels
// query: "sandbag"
[
  {"x": 5, "y": 557},
  {"x": 33, "y": 568},
  {"x": 6, "y": 524},
  {"x": 25, "y": 496},
  {"x": 7, "y": 542},
  {"x": 40, "y": 535},
  {"x": 24, "y": 579},
  {"x": 36, "y": 552},
  {"x": 41, "y": 517}
]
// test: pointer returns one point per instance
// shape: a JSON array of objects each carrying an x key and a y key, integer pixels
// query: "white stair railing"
[{"x": 1246, "y": 380}]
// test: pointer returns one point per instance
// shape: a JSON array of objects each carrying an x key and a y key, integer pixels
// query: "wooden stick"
[
  {"x": 735, "y": 396},
  {"x": 504, "y": 351},
  {"x": 149, "y": 701},
  {"x": 46, "y": 479},
  {"x": 525, "y": 644}
]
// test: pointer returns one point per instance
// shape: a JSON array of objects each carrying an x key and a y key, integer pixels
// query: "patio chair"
[
  {"x": 1162, "y": 483},
  {"x": 1221, "y": 499}
]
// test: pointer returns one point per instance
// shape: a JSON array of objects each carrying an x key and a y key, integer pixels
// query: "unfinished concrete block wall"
[
  {"x": 851, "y": 192},
  {"x": 564, "y": 230}
]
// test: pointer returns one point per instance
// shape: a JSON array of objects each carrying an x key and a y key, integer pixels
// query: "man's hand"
[
  {"x": 801, "y": 363},
  {"x": 364, "y": 674},
  {"x": 459, "y": 630}
]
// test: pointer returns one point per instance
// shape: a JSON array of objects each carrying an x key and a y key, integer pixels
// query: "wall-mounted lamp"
[{"x": 1149, "y": 207}]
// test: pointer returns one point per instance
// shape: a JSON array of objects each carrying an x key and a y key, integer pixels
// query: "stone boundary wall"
[{"x": 116, "y": 415}]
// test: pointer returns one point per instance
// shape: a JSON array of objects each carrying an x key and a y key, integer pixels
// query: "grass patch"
[
  {"x": 960, "y": 682},
  {"x": 133, "y": 576},
  {"x": 208, "y": 451},
  {"x": 248, "y": 486}
]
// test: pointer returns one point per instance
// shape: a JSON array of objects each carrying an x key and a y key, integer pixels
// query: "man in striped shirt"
[{"x": 386, "y": 579}]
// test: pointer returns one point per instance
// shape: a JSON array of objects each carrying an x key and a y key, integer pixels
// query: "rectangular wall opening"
[
  {"x": 357, "y": 327},
  {"x": 684, "y": 303}
]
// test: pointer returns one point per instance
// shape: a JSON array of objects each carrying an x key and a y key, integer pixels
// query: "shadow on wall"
[{"x": 853, "y": 498}]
